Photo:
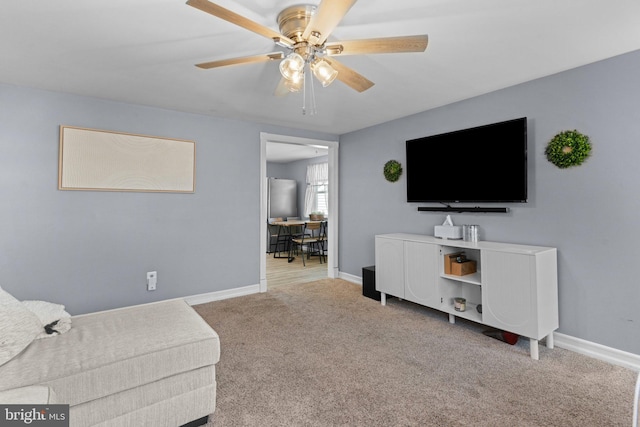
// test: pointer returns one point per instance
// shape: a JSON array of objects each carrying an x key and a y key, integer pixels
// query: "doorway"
[{"x": 332, "y": 249}]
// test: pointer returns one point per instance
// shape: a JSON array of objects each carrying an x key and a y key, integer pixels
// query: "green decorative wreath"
[
  {"x": 392, "y": 170},
  {"x": 568, "y": 148}
]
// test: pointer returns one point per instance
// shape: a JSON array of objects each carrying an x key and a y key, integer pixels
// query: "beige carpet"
[{"x": 321, "y": 354}]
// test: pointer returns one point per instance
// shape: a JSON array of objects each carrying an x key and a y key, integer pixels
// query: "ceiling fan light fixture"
[
  {"x": 291, "y": 65},
  {"x": 324, "y": 72},
  {"x": 295, "y": 84}
]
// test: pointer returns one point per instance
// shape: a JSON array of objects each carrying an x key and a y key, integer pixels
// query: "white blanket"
[{"x": 55, "y": 320}]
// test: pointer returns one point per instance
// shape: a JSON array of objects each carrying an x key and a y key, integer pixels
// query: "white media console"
[{"x": 517, "y": 285}]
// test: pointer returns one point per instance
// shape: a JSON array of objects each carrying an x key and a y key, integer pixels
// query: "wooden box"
[
  {"x": 450, "y": 259},
  {"x": 463, "y": 268}
]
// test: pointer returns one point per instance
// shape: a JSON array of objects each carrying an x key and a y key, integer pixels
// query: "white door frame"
[{"x": 332, "y": 253}]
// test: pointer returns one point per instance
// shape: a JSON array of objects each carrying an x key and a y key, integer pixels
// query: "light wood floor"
[{"x": 281, "y": 272}]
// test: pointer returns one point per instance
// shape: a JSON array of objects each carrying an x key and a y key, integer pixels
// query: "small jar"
[
  {"x": 459, "y": 304},
  {"x": 470, "y": 232}
]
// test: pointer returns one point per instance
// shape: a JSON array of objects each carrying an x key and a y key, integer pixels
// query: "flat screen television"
[{"x": 481, "y": 164}]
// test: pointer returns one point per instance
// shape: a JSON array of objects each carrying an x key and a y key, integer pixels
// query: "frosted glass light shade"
[
  {"x": 291, "y": 65},
  {"x": 295, "y": 83},
  {"x": 324, "y": 72}
]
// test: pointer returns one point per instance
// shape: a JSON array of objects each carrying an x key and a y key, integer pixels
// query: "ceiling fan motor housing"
[{"x": 293, "y": 20}]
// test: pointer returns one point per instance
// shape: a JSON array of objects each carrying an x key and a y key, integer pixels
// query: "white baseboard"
[
  {"x": 598, "y": 351},
  {"x": 350, "y": 278},
  {"x": 248, "y": 290},
  {"x": 220, "y": 295}
]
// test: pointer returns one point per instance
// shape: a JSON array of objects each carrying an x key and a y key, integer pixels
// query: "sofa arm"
[{"x": 34, "y": 394}]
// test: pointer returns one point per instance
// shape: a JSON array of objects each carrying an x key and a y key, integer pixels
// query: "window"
[
  {"x": 322, "y": 197},
  {"x": 317, "y": 194}
]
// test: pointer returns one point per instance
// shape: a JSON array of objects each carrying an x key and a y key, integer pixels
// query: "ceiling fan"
[{"x": 303, "y": 30}]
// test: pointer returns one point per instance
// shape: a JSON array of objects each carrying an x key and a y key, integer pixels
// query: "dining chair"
[
  {"x": 322, "y": 239},
  {"x": 273, "y": 235},
  {"x": 295, "y": 231},
  {"x": 308, "y": 242}
]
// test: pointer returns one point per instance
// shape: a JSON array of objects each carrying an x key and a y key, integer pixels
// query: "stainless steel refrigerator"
[{"x": 282, "y": 202}]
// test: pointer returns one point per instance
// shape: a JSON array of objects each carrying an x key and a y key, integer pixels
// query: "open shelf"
[
  {"x": 471, "y": 313},
  {"x": 471, "y": 254},
  {"x": 473, "y": 278}
]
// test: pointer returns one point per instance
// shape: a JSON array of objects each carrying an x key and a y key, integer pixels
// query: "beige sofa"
[{"x": 147, "y": 365}]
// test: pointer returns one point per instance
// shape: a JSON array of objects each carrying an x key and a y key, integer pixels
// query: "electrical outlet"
[{"x": 152, "y": 280}]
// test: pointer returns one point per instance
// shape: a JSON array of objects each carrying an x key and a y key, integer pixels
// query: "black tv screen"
[{"x": 481, "y": 164}]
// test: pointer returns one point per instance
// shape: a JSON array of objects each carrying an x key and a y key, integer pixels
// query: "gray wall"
[
  {"x": 91, "y": 250},
  {"x": 590, "y": 213},
  {"x": 280, "y": 171}
]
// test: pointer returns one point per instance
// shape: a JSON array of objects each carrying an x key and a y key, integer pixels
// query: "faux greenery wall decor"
[
  {"x": 392, "y": 170},
  {"x": 568, "y": 148}
]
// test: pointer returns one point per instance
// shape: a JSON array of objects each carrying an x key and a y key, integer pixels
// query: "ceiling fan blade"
[
  {"x": 379, "y": 45},
  {"x": 350, "y": 77},
  {"x": 241, "y": 21},
  {"x": 241, "y": 60},
  {"x": 325, "y": 19}
]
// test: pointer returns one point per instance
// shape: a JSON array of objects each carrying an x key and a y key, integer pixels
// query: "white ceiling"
[
  {"x": 144, "y": 51},
  {"x": 280, "y": 152}
]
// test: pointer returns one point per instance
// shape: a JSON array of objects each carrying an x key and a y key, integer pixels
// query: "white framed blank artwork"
[{"x": 98, "y": 160}]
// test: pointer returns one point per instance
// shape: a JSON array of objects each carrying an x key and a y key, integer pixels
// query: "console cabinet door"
[
  {"x": 421, "y": 269},
  {"x": 508, "y": 292},
  {"x": 390, "y": 266}
]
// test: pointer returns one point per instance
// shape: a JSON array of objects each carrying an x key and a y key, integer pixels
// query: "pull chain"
[{"x": 309, "y": 109}]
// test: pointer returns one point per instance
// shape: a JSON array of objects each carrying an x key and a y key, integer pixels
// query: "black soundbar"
[{"x": 477, "y": 209}]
